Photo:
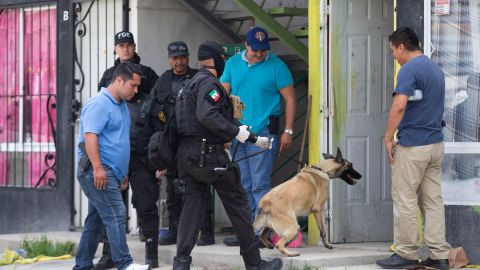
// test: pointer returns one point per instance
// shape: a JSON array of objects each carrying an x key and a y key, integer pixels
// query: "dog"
[{"x": 304, "y": 194}]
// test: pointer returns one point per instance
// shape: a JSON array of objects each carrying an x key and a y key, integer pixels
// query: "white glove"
[
  {"x": 243, "y": 134},
  {"x": 264, "y": 142}
]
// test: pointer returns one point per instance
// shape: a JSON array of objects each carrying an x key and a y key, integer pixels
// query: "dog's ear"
[
  {"x": 327, "y": 156},
  {"x": 339, "y": 157}
]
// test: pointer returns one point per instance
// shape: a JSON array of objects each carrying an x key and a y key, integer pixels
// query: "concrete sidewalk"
[{"x": 343, "y": 256}]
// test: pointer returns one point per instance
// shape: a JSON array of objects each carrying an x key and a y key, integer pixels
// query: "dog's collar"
[{"x": 313, "y": 167}]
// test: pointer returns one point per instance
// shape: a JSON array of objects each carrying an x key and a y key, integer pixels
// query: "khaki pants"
[{"x": 416, "y": 182}]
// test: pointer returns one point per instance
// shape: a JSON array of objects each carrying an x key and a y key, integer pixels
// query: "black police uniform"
[
  {"x": 141, "y": 176},
  {"x": 205, "y": 112},
  {"x": 149, "y": 76},
  {"x": 171, "y": 83}
]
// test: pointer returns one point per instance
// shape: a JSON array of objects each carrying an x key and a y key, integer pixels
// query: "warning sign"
[{"x": 442, "y": 7}]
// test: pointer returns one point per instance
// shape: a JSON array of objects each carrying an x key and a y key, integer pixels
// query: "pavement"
[{"x": 358, "y": 256}]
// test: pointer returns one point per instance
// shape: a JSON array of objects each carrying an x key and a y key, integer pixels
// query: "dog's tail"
[{"x": 262, "y": 215}]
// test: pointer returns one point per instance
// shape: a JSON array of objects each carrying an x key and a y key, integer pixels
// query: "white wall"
[{"x": 159, "y": 22}]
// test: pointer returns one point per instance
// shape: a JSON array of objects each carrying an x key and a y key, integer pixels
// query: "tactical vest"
[
  {"x": 140, "y": 130},
  {"x": 185, "y": 105}
]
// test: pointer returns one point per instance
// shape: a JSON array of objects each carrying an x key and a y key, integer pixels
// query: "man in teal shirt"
[{"x": 260, "y": 79}]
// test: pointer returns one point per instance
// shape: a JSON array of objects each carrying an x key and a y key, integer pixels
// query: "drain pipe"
[{"x": 125, "y": 14}]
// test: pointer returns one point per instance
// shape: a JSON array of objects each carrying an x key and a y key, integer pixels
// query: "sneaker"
[
  {"x": 396, "y": 262},
  {"x": 104, "y": 263},
  {"x": 169, "y": 239},
  {"x": 439, "y": 264},
  {"x": 135, "y": 266},
  {"x": 231, "y": 242}
]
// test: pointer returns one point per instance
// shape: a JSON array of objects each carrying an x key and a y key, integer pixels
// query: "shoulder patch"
[{"x": 214, "y": 96}]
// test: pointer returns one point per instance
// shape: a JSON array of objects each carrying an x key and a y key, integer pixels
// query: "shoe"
[
  {"x": 142, "y": 237},
  {"x": 206, "y": 240},
  {"x": 135, "y": 266},
  {"x": 253, "y": 261},
  {"x": 104, "y": 263},
  {"x": 396, "y": 262},
  {"x": 231, "y": 242},
  {"x": 182, "y": 263},
  {"x": 151, "y": 251},
  {"x": 439, "y": 264},
  {"x": 270, "y": 265},
  {"x": 169, "y": 239}
]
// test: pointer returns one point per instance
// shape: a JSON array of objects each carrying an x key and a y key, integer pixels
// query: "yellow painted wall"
[{"x": 315, "y": 81}]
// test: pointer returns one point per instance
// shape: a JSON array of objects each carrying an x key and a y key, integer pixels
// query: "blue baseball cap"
[{"x": 257, "y": 38}]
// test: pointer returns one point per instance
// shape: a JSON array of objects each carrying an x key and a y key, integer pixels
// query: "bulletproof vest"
[
  {"x": 140, "y": 130},
  {"x": 185, "y": 106}
]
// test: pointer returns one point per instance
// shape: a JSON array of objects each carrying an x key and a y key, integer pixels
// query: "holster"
[{"x": 84, "y": 162}]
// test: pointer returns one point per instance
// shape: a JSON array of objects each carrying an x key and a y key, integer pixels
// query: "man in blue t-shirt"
[
  {"x": 416, "y": 157},
  {"x": 261, "y": 80},
  {"x": 103, "y": 154}
]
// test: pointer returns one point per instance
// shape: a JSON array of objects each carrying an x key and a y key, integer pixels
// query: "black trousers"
[
  {"x": 145, "y": 193},
  {"x": 198, "y": 181},
  {"x": 175, "y": 203}
]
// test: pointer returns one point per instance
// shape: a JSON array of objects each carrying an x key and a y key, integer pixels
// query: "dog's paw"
[
  {"x": 293, "y": 254},
  {"x": 329, "y": 246}
]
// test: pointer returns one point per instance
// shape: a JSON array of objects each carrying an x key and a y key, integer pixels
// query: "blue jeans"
[
  {"x": 106, "y": 209},
  {"x": 255, "y": 171}
]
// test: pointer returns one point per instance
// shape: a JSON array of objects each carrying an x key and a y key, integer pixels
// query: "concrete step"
[{"x": 219, "y": 256}]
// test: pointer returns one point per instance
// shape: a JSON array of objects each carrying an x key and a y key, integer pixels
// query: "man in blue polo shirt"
[
  {"x": 103, "y": 154},
  {"x": 261, "y": 80}
]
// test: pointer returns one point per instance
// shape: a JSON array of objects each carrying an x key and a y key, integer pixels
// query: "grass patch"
[
  {"x": 305, "y": 267},
  {"x": 43, "y": 246}
]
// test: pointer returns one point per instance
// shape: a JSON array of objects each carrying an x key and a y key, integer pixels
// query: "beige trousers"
[{"x": 416, "y": 182}]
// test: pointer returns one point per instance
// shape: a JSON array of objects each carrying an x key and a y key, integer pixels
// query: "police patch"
[
  {"x": 214, "y": 96},
  {"x": 162, "y": 117}
]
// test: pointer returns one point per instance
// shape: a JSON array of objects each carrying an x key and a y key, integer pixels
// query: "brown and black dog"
[{"x": 304, "y": 194}]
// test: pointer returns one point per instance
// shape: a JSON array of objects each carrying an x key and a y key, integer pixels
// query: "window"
[
  {"x": 27, "y": 96},
  {"x": 454, "y": 42}
]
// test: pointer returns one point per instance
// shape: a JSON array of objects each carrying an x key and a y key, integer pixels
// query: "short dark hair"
[
  {"x": 126, "y": 71},
  {"x": 405, "y": 36}
]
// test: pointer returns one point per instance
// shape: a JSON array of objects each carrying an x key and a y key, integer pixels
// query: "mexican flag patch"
[{"x": 214, "y": 95}]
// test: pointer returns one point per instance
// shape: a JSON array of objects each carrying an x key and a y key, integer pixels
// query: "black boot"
[
  {"x": 253, "y": 261},
  {"x": 206, "y": 239},
  {"x": 105, "y": 261},
  {"x": 151, "y": 251},
  {"x": 182, "y": 263}
]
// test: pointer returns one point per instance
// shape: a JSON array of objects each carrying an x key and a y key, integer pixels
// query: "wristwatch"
[{"x": 289, "y": 131}]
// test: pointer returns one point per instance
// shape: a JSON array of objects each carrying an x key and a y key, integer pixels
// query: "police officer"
[
  {"x": 145, "y": 186},
  {"x": 171, "y": 81},
  {"x": 205, "y": 123}
]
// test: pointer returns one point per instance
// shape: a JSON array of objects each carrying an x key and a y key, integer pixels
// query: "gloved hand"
[
  {"x": 264, "y": 142},
  {"x": 243, "y": 134}
]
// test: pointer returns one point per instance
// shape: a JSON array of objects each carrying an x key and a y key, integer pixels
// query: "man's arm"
[
  {"x": 397, "y": 110},
  {"x": 288, "y": 94},
  {"x": 92, "y": 148},
  {"x": 227, "y": 87}
]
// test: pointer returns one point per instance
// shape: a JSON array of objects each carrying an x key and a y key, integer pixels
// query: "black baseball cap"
[
  {"x": 177, "y": 48},
  {"x": 124, "y": 36}
]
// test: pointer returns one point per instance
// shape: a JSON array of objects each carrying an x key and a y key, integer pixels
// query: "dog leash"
[
  {"x": 245, "y": 157},
  {"x": 299, "y": 162}
]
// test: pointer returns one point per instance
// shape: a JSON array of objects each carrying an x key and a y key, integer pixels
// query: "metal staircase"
[{"x": 286, "y": 23}]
